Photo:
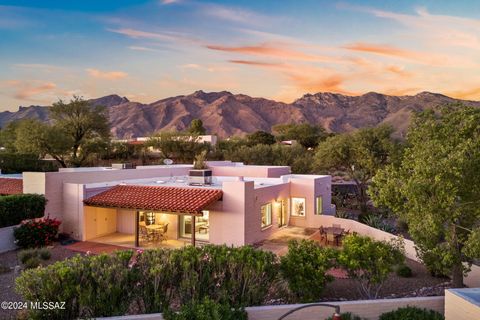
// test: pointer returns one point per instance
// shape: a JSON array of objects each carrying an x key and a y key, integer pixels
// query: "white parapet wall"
[
  {"x": 6, "y": 239},
  {"x": 462, "y": 304},
  {"x": 368, "y": 309}
]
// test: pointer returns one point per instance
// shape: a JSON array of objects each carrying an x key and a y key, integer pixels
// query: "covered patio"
[{"x": 151, "y": 210}]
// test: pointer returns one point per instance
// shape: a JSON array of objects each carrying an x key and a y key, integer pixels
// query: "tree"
[
  {"x": 81, "y": 122},
  {"x": 196, "y": 128},
  {"x": 359, "y": 154},
  {"x": 305, "y": 268},
  {"x": 179, "y": 146},
  {"x": 41, "y": 139},
  {"x": 8, "y": 135},
  {"x": 260, "y": 137},
  {"x": 307, "y": 135},
  {"x": 369, "y": 262},
  {"x": 435, "y": 188}
]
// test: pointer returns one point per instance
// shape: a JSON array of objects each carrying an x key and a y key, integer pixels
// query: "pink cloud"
[{"x": 108, "y": 75}]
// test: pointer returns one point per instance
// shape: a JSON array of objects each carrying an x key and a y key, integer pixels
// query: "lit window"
[
  {"x": 266, "y": 211},
  {"x": 319, "y": 204},
  {"x": 298, "y": 207}
]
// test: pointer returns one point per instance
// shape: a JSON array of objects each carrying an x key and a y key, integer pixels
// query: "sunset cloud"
[{"x": 108, "y": 75}]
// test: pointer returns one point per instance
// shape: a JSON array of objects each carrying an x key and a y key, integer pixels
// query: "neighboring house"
[
  {"x": 208, "y": 138},
  {"x": 244, "y": 205}
]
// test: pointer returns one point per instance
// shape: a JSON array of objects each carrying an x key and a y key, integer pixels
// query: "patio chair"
[
  {"x": 323, "y": 234},
  {"x": 163, "y": 232},
  {"x": 143, "y": 233},
  {"x": 331, "y": 238}
]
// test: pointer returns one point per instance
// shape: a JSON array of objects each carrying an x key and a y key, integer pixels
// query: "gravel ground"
[
  {"x": 394, "y": 287},
  {"x": 7, "y": 280}
]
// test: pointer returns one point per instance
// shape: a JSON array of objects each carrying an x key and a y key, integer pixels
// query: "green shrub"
[
  {"x": 377, "y": 222},
  {"x": 24, "y": 255},
  {"x": 207, "y": 309},
  {"x": 404, "y": 271},
  {"x": 4, "y": 269},
  {"x": 150, "y": 280},
  {"x": 304, "y": 267},
  {"x": 32, "y": 262},
  {"x": 36, "y": 233},
  {"x": 16, "y": 208},
  {"x": 369, "y": 262},
  {"x": 347, "y": 316},
  {"x": 411, "y": 313},
  {"x": 18, "y": 163}
]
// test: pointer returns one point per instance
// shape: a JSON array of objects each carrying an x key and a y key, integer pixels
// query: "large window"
[
  {"x": 202, "y": 226},
  {"x": 298, "y": 207},
  {"x": 319, "y": 205},
  {"x": 266, "y": 211}
]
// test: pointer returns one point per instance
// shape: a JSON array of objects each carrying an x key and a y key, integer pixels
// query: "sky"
[{"x": 149, "y": 50}]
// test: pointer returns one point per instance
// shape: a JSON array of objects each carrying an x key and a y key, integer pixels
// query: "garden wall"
[
  {"x": 369, "y": 309},
  {"x": 7, "y": 239}
]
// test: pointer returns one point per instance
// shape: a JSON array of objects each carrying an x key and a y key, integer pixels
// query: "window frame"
[
  {"x": 292, "y": 211},
  {"x": 268, "y": 204},
  {"x": 317, "y": 212}
]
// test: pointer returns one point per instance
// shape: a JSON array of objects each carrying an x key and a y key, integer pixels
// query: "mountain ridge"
[{"x": 226, "y": 114}]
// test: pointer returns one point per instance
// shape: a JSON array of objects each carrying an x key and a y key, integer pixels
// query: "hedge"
[
  {"x": 151, "y": 281},
  {"x": 16, "y": 208},
  {"x": 18, "y": 163}
]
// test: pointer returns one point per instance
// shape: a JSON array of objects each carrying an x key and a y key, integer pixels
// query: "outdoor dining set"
[
  {"x": 153, "y": 232},
  {"x": 332, "y": 234}
]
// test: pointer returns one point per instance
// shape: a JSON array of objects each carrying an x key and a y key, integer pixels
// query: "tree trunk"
[{"x": 457, "y": 275}]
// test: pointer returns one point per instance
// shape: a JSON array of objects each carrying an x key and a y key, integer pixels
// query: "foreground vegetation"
[{"x": 161, "y": 280}]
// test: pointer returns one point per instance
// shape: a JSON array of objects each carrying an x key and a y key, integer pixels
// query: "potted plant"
[{"x": 200, "y": 174}]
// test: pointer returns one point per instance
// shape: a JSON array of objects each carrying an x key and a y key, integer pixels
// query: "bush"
[
  {"x": 207, "y": 309},
  {"x": 18, "y": 163},
  {"x": 404, "y": 271},
  {"x": 377, "y": 222},
  {"x": 44, "y": 254},
  {"x": 31, "y": 263},
  {"x": 369, "y": 262},
  {"x": 304, "y": 267},
  {"x": 16, "y": 208},
  {"x": 347, "y": 316},
  {"x": 24, "y": 255},
  {"x": 150, "y": 281},
  {"x": 36, "y": 233},
  {"x": 411, "y": 313}
]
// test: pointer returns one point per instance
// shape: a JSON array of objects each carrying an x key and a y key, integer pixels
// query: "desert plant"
[
  {"x": 304, "y": 267},
  {"x": 24, "y": 255},
  {"x": 36, "y": 233},
  {"x": 377, "y": 222},
  {"x": 32, "y": 262},
  {"x": 404, "y": 271},
  {"x": 199, "y": 163},
  {"x": 207, "y": 309},
  {"x": 343, "y": 214},
  {"x": 44, "y": 253},
  {"x": 369, "y": 262},
  {"x": 411, "y": 313}
]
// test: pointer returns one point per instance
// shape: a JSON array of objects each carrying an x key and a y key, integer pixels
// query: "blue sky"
[{"x": 148, "y": 50}]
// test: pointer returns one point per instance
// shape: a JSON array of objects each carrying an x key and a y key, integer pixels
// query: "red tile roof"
[
  {"x": 11, "y": 186},
  {"x": 156, "y": 198}
]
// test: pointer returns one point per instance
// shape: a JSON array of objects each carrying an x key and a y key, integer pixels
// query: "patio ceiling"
[{"x": 156, "y": 198}]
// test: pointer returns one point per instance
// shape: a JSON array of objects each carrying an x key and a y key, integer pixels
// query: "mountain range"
[{"x": 227, "y": 114}]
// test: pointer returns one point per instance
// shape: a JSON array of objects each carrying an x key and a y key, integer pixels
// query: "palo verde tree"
[
  {"x": 83, "y": 124},
  {"x": 182, "y": 147},
  {"x": 359, "y": 154},
  {"x": 435, "y": 188}
]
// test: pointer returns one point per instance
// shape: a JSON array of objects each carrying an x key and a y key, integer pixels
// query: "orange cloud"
[
  {"x": 473, "y": 93},
  {"x": 108, "y": 75},
  {"x": 391, "y": 51},
  {"x": 267, "y": 49},
  {"x": 256, "y": 63},
  {"x": 27, "y": 91}
]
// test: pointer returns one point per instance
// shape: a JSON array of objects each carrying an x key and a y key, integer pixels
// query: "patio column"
[
  {"x": 137, "y": 220},
  {"x": 193, "y": 230}
]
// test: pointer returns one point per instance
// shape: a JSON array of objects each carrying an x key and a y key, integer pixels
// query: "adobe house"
[{"x": 153, "y": 206}]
